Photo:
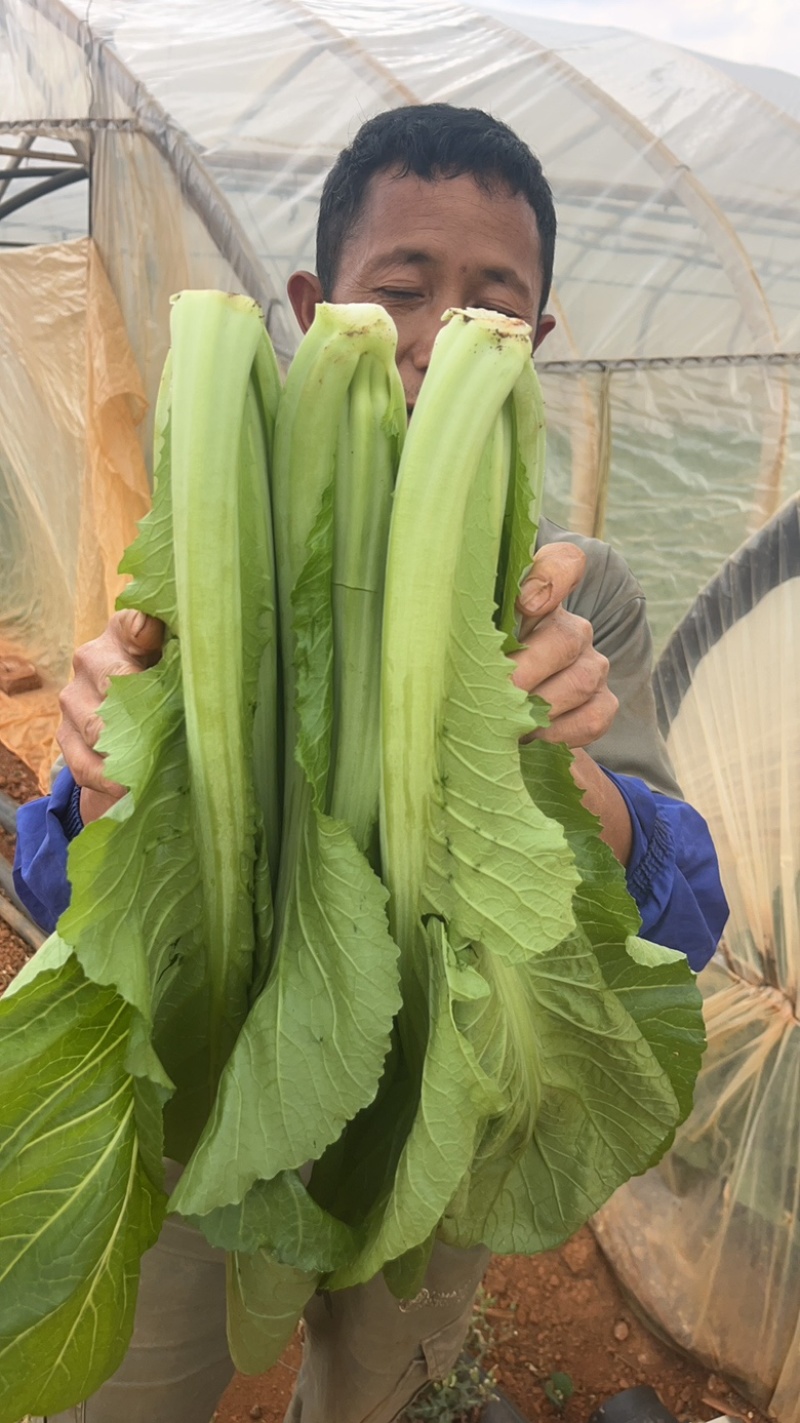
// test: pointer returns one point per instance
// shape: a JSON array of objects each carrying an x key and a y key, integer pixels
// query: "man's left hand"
[{"x": 559, "y": 661}]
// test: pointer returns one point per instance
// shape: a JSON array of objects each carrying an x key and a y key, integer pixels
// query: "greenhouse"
[{"x": 169, "y": 144}]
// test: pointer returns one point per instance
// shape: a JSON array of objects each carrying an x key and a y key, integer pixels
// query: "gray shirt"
[{"x": 611, "y": 599}]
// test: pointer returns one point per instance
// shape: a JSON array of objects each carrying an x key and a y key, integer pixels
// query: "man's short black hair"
[{"x": 431, "y": 141}]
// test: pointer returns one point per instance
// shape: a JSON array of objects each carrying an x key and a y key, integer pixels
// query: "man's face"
[{"x": 420, "y": 247}]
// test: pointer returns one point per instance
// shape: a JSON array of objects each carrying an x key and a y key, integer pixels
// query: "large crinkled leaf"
[
  {"x": 615, "y": 1041},
  {"x": 499, "y": 869},
  {"x": 459, "y": 834},
  {"x": 135, "y": 919},
  {"x": 456, "y": 1098},
  {"x": 589, "y": 1101},
  {"x": 282, "y": 1218},
  {"x": 655, "y": 984},
  {"x": 141, "y": 853},
  {"x": 77, "y": 1203},
  {"x": 605, "y": 1104},
  {"x": 265, "y": 1301},
  {"x": 311, "y": 1051}
]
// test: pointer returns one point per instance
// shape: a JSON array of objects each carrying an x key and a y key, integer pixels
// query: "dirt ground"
[{"x": 559, "y": 1313}]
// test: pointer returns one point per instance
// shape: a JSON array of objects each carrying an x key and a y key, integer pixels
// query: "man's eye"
[{"x": 397, "y": 294}]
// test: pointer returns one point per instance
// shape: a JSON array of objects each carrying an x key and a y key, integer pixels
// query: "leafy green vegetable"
[
  {"x": 80, "y": 1143},
  {"x": 311, "y": 1053},
  {"x": 363, "y": 952},
  {"x": 141, "y": 995}
]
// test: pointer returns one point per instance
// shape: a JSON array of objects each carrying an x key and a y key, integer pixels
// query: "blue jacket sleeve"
[
  {"x": 673, "y": 873},
  {"x": 44, "y": 830}
]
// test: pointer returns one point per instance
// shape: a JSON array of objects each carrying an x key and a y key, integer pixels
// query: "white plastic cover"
[
  {"x": 211, "y": 125},
  {"x": 709, "y": 1241}
]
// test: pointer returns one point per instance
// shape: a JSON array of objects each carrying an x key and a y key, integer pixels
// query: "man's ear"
[
  {"x": 304, "y": 292},
  {"x": 544, "y": 327}
]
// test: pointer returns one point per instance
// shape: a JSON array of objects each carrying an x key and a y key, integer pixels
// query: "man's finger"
[
  {"x": 96, "y": 803},
  {"x": 138, "y": 634},
  {"x": 87, "y": 766},
  {"x": 559, "y": 641},
  {"x": 92, "y": 730},
  {"x": 582, "y": 726},
  {"x": 556, "y": 571}
]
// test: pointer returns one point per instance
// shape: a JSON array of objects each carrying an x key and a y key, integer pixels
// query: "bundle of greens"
[{"x": 348, "y": 950}]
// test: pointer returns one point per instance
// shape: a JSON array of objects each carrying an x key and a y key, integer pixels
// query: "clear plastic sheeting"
[
  {"x": 72, "y": 478},
  {"x": 709, "y": 1241},
  {"x": 672, "y": 378},
  {"x": 674, "y": 465}
]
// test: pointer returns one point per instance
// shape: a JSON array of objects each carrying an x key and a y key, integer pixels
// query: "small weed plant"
[
  {"x": 461, "y": 1396},
  {"x": 559, "y": 1389}
]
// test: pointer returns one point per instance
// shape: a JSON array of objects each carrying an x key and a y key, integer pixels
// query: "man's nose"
[{"x": 422, "y": 345}]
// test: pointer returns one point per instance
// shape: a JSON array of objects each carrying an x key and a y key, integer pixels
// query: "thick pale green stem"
[
  {"x": 255, "y": 507},
  {"x": 307, "y": 443},
  {"x": 477, "y": 360},
  {"x": 526, "y": 488},
  {"x": 369, "y": 444},
  {"x": 215, "y": 339}
]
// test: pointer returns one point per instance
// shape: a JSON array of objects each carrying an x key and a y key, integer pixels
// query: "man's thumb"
[{"x": 141, "y": 635}]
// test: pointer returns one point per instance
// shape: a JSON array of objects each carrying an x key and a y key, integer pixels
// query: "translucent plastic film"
[
  {"x": 709, "y": 1241},
  {"x": 674, "y": 465},
  {"x": 672, "y": 378},
  {"x": 72, "y": 477}
]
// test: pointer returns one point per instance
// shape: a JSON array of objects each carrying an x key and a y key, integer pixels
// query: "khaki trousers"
[{"x": 365, "y": 1355}]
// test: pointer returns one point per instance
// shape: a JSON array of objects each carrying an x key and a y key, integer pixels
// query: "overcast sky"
[{"x": 750, "y": 31}]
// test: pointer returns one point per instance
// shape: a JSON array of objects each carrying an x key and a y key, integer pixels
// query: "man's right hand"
[{"x": 131, "y": 643}]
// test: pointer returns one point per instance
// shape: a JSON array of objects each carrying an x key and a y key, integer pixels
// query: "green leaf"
[
  {"x": 280, "y": 1216},
  {"x": 499, "y": 869},
  {"x": 149, "y": 559},
  {"x": 265, "y": 1302},
  {"x": 559, "y": 1388},
  {"x": 312, "y": 1049},
  {"x": 455, "y": 815},
  {"x": 654, "y": 984},
  {"x": 615, "y": 1034},
  {"x": 78, "y": 1206},
  {"x": 524, "y": 500},
  {"x": 456, "y": 1098}
]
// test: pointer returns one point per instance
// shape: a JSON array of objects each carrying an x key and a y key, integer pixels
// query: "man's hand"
[
  {"x": 131, "y": 643},
  {"x": 559, "y": 663}
]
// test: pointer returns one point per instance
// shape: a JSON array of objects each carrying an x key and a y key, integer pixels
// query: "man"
[{"x": 430, "y": 208}]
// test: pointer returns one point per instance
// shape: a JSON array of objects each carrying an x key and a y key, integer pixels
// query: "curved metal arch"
[
  {"x": 173, "y": 143},
  {"x": 697, "y": 200},
  {"x": 206, "y": 199},
  {"x": 370, "y": 67},
  {"x": 40, "y": 190}
]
